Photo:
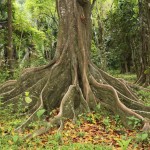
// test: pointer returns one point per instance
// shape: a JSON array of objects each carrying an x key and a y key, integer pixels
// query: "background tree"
[
  {"x": 45, "y": 19},
  {"x": 30, "y": 38},
  {"x": 144, "y": 61},
  {"x": 71, "y": 81},
  {"x": 9, "y": 47},
  {"x": 122, "y": 32},
  {"x": 27, "y": 38},
  {"x": 98, "y": 48},
  {"x": 3, "y": 26}
]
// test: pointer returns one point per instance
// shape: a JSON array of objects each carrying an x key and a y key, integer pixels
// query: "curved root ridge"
[
  {"x": 67, "y": 110},
  {"x": 79, "y": 94}
]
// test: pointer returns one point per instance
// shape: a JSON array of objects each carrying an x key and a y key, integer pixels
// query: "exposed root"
[
  {"x": 34, "y": 113},
  {"x": 124, "y": 92},
  {"x": 7, "y": 86},
  {"x": 146, "y": 126},
  {"x": 82, "y": 95},
  {"x": 68, "y": 109},
  {"x": 117, "y": 84},
  {"x": 97, "y": 86},
  {"x": 113, "y": 102}
]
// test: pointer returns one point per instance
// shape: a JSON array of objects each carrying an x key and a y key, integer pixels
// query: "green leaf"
[
  {"x": 40, "y": 112},
  {"x": 147, "y": 71},
  {"x": 27, "y": 94},
  {"x": 15, "y": 138},
  {"x": 28, "y": 100},
  {"x": 144, "y": 136}
]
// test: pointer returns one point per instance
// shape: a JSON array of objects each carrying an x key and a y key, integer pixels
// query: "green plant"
[
  {"x": 4, "y": 75},
  {"x": 40, "y": 113},
  {"x": 106, "y": 122},
  {"x": 58, "y": 137},
  {"x": 98, "y": 108},
  {"x": 145, "y": 96},
  {"x": 15, "y": 138},
  {"x": 78, "y": 146},
  {"x": 141, "y": 137},
  {"x": 118, "y": 122},
  {"x": 134, "y": 122},
  {"x": 2, "y": 111},
  {"x": 117, "y": 118},
  {"x": 89, "y": 117},
  {"x": 81, "y": 134},
  {"x": 27, "y": 98},
  {"x": 124, "y": 143}
]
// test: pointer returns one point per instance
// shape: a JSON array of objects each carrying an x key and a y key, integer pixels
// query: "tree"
[
  {"x": 6, "y": 28},
  {"x": 71, "y": 80},
  {"x": 9, "y": 47},
  {"x": 122, "y": 29},
  {"x": 144, "y": 69},
  {"x": 45, "y": 19},
  {"x": 98, "y": 45},
  {"x": 3, "y": 26}
]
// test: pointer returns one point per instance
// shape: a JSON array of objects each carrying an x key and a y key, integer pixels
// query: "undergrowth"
[{"x": 97, "y": 130}]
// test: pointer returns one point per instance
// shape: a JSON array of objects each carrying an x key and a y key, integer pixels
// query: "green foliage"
[
  {"x": 130, "y": 77},
  {"x": 115, "y": 34},
  {"x": 142, "y": 137},
  {"x": 90, "y": 123},
  {"x": 147, "y": 71},
  {"x": 15, "y": 138},
  {"x": 106, "y": 122},
  {"x": 98, "y": 108},
  {"x": 122, "y": 28},
  {"x": 117, "y": 120},
  {"x": 26, "y": 33},
  {"x": 124, "y": 143},
  {"x": 35, "y": 25},
  {"x": 98, "y": 53},
  {"x": 27, "y": 98},
  {"x": 13, "y": 142},
  {"x": 43, "y": 15},
  {"x": 134, "y": 122},
  {"x": 85, "y": 147},
  {"x": 145, "y": 96},
  {"x": 81, "y": 134},
  {"x": 3, "y": 76},
  {"x": 40, "y": 113}
]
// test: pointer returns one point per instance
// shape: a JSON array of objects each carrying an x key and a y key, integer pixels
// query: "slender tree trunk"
[
  {"x": 144, "y": 71},
  {"x": 9, "y": 48}
]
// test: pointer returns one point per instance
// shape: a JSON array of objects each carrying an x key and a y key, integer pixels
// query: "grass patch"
[{"x": 128, "y": 76}]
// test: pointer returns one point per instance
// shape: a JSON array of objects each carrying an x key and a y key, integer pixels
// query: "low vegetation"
[{"x": 99, "y": 131}]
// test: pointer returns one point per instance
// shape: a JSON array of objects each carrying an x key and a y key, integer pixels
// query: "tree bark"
[
  {"x": 9, "y": 47},
  {"x": 144, "y": 70}
]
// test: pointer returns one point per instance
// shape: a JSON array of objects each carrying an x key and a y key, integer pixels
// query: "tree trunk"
[
  {"x": 144, "y": 71},
  {"x": 9, "y": 46},
  {"x": 71, "y": 81}
]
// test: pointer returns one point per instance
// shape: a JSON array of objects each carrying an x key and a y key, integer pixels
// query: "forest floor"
[{"x": 98, "y": 130}]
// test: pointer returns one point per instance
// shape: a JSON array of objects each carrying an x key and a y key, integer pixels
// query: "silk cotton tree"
[{"x": 71, "y": 81}]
